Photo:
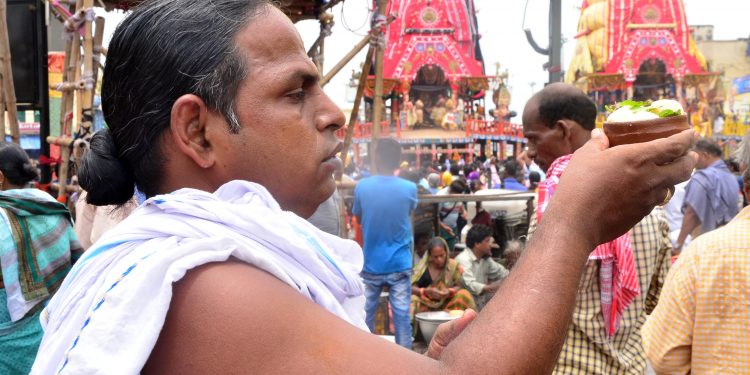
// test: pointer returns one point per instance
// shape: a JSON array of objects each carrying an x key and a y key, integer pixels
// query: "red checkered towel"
[{"x": 618, "y": 278}]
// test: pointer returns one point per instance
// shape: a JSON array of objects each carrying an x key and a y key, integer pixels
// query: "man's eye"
[{"x": 298, "y": 95}]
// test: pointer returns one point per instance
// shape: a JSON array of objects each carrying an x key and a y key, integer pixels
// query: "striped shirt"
[
  {"x": 702, "y": 322},
  {"x": 587, "y": 350}
]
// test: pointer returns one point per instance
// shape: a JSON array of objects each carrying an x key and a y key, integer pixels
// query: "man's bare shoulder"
[
  {"x": 218, "y": 305},
  {"x": 230, "y": 317}
]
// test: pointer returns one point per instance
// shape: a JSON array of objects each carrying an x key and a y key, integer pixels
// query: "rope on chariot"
[
  {"x": 378, "y": 31},
  {"x": 327, "y": 29},
  {"x": 76, "y": 21},
  {"x": 88, "y": 80}
]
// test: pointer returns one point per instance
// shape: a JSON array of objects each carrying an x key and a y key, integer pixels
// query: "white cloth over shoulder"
[{"x": 107, "y": 315}]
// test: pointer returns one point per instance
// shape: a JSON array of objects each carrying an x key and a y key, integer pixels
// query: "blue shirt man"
[
  {"x": 711, "y": 196},
  {"x": 512, "y": 169},
  {"x": 510, "y": 183},
  {"x": 383, "y": 204}
]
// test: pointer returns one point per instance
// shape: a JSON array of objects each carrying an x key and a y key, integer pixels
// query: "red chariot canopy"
[
  {"x": 640, "y": 30},
  {"x": 440, "y": 33}
]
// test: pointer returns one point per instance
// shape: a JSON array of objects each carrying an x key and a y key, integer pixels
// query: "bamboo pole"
[
  {"x": 345, "y": 60},
  {"x": 63, "y": 141},
  {"x": 9, "y": 95},
  {"x": 75, "y": 64},
  {"x": 70, "y": 73},
  {"x": 98, "y": 51},
  {"x": 320, "y": 57},
  {"x": 87, "y": 100},
  {"x": 67, "y": 94},
  {"x": 355, "y": 110},
  {"x": 378, "y": 95},
  {"x": 314, "y": 47},
  {"x": 68, "y": 188},
  {"x": 349, "y": 132}
]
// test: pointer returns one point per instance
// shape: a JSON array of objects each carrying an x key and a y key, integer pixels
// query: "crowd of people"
[
  {"x": 623, "y": 279},
  {"x": 211, "y": 246}
]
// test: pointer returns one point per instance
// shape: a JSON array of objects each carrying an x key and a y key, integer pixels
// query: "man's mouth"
[
  {"x": 336, "y": 150},
  {"x": 333, "y": 160}
]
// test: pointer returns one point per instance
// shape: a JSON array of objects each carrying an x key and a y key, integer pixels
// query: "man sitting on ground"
[{"x": 482, "y": 275}]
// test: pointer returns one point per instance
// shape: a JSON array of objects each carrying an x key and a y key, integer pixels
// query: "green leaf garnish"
[
  {"x": 669, "y": 113},
  {"x": 634, "y": 104}
]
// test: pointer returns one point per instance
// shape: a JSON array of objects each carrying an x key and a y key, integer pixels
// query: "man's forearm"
[
  {"x": 474, "y": 286},
  {"x": 536, "y": 301},
  {"x": 690, "y": 221}
]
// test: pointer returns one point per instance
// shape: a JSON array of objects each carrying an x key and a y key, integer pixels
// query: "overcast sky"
[{"x": 501, "y": 25}]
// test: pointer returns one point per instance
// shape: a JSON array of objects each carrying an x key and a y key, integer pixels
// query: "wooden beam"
[
  {"x": 348, "y": 137},
  {"x": 345, "y": 60},
  {"x": 63, "y": 141},
  {"x": 330, "y": 5},
  {"x": 378, "y": 94},
  {"x": 314, "y": 47},
  {"x": 86, "y": 96},
  {"x": 355, "y": 110}
]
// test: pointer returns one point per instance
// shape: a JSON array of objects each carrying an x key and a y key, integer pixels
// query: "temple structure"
[
  {"x": 644, "y": 50},
  {"x": 642, "y": 47},
  {"x": 433, "y": 47},
  {"x": 435, "y": 83}
]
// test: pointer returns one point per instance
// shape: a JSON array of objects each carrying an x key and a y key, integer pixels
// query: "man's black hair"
[
  {"x": 512, "y": 168},
  {"x": 709, "y": 147},
  {"x": 556, "y": 104},
  {"x": 477, "y": 234},
  {"x": 388, "y": 155},
  {"x": 164, "y": 49}
]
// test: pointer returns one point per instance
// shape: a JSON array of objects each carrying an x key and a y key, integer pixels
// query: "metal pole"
[
  {"x": 44, "y": 123},
  {"x": 555, "y": 41}
]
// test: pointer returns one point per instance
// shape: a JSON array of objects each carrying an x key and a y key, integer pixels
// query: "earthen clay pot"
[{"x": 621, "y": 133}]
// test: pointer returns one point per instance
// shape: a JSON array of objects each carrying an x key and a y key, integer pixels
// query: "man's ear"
[
  {"x": 564, "y": 128},
  {"x": 187, "y": 124}
]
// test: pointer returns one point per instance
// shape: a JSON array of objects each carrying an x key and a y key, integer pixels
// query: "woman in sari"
[
  {"x": 436, "y": 282},
  {"x": 37, "y": 248}
]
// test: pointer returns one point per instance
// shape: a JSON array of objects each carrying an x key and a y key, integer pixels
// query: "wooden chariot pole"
[
  {"x": 371, "y": 52},
  {"x": 349, "y": 132},
  {"x": 378, "y": 94}
]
